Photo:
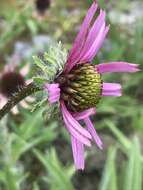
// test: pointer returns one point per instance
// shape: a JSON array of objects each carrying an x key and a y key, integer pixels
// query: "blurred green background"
[{"x": 35, "y": 153}]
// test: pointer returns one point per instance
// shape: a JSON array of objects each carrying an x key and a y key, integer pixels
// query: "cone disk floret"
[{"x": 81, "y": 88}]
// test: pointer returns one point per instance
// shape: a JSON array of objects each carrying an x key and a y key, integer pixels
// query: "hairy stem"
[{"x": 23, "y": 93}]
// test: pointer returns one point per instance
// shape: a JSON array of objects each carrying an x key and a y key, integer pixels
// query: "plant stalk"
[{"x": 14, "y": 100}]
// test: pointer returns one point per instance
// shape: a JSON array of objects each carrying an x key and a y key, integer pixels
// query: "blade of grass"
[{"x": 109, "y": 178}]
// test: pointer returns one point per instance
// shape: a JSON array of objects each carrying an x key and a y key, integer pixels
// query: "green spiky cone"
[{"x": 81, "y": 88}]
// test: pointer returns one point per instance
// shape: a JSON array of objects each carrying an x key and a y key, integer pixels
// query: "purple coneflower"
[
  {"x": 79, "y": 87},
  {"x": 42, "y": 5},
  {"x": 12, "y": 81}
]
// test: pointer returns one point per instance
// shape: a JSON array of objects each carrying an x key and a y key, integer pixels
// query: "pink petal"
[
  {"x": 84, "y": 114},
  {"x": 76, "y": 134},
  {"x": 78, "y": 153},
  {"x": 25, "y": 70},
  {"x": 100, "y": 21},
  {"x": 74, "y": 127},
  {"x": 53, "y": 99},
  {"x": 3, "y": 101},
  {"x": 80, "y": 39},
  {"x": 117, "y": 67},
  {"x": 74, "y": 123},
  {"x": 53, "y": 92},
  {"x": 100, "y": 43},
  {"x": 111, "y": 89},
  {"x": 93, "y": 132},
  {"x": 91, "y": 53},
  {"x": 51, "y": 86}
]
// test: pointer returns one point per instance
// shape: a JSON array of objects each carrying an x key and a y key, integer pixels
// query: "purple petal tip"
[{"x": 118, "y": 67}]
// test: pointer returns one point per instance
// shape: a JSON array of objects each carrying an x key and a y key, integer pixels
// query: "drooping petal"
[
  {"x": 117, "y": 67},
  {"x": 78, "y": 153},
  {"x": 93, "y": 34},
  {"x": 94, "y": 30},
  {"x": 84, "y": 114},
  {"x": 53, "y": 99},
  {"x": 96, "y": 45},
  {"x": 15, "y": 110},
  {"x": 76, "y": 134},
  {"x": 51, "y": 86},
  {"x": 94, "y": 53},
  {"x": 53, "y": 92},
  {"x": 80, "y": 39},
  {"x": 3, "y": 101},
  {"x": 74, "y": 127},
  {"x": 93, "y": 132},
  {"x": 111, "y": 89},
  {"x": 25, "y": 70}
]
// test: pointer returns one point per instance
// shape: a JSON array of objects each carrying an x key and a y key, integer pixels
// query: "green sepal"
[
  {"x": 39, "y": 80},
  {"x": 50, "y": 64}
]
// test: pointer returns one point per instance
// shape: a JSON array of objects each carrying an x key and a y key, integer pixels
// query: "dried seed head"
[
  {"x": 81, "y": 88},
  {"x": 10, "y": 83},
  {"x": 42, "y": 5}
]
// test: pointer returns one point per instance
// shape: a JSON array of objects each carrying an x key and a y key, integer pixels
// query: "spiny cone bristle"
[{"x": 81, "y": 88}]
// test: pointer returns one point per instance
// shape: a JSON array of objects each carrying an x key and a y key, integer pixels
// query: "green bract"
[{"x": 50, "y": 64}]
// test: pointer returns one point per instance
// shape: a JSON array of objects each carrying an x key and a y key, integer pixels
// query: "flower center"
[
  {"x": 10, "y": 83},
  {"x": 81, "y": 88}
]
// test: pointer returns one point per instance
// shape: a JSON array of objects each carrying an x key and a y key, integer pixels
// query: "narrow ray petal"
[
  {"x": 53, "y": 92},
  {"x": 93, "y": 132},
  {"x": 78, "y": 153},
  {"x": 90, "y": 54},
  {"x": 25, "y": 70},
  {"x": 53, "y": 99},
  {"x": 117, "y": 67},
  {"x": 74, "y": 123},
  {"x": 93, "y": 33},
  {"x": 94, "y": 53},
  {"x": 84, "y": 114},
  {"x": 111, "y": 89},
  {"x": 75, "y": 133},
  {"x": 51, "y": 86},
  {"x": 3, "y": 101},
  {"x": 80, "y": 39}
]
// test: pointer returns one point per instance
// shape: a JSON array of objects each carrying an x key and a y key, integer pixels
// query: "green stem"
[{"x": 14, "y": 100}]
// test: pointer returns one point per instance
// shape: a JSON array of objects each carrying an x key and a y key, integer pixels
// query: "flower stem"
[{"x": 23, "y": 93}]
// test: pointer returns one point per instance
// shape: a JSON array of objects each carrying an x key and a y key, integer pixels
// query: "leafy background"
[{"x": 35, "y": 152}]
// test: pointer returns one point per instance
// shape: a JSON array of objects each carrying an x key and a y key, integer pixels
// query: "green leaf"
[
  {"x": 32, "y": 26},
  {"x": 35, "y": 186},
  {"x": 122, "y": 139},
  {"x": 39, "y": 79},
  {"x": 134, "y": 168},
  {"x": 11, "y": 179},
  {"x": 59, "y": 177},
  {"x": 109, "y": 178}
]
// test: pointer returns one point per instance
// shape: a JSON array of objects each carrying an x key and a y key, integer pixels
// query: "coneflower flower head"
[
  {"x": 77, "y": 85},
  {"x": 42, "y": 5},
  {"x": 10, "y": 83},
  {"x": 80, "y": 88},
  {"x": 12, "y": 80}
]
